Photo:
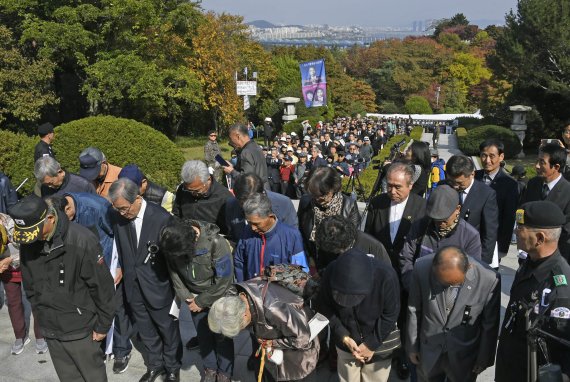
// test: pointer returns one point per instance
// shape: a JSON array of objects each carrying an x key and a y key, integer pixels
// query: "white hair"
[
  {"x": 123, "y": 188},
  {"x": 227, "y": 316},
  {"x": 193, "y": 169},
  {"x": 257, "y": 204},
  {"x": 46, "y": 166},
  {"x": 551, "y": 234}
]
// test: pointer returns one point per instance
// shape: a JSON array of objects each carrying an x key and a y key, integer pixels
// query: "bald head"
[{"x": 450, "y": 264}]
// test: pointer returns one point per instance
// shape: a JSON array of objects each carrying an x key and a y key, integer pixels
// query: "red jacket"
[{"x": 285, "y": 172}]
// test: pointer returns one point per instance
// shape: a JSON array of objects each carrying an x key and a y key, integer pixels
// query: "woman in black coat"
[
  {"x": 418, "y": 154},
  {"x": 323, "y": 199}
]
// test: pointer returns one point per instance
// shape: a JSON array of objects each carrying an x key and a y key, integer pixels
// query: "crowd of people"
[{"x": 411, "y": 283}]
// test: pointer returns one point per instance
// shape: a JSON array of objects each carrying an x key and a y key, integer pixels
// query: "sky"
[{"x": 360, "y": 12}]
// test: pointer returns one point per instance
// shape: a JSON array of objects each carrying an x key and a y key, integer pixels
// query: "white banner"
[
  {"x": 245, "y": 102},
  {"x": 246, "y": 88}
]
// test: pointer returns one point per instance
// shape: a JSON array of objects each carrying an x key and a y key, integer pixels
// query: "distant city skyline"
[{"x": 366, "y": 13}]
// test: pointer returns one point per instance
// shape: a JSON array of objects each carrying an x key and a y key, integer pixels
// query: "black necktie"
[
  {"x": 545, "y": 191},
  {"x": 487, "y": 180},
  {"x": 133, "y": 232}
]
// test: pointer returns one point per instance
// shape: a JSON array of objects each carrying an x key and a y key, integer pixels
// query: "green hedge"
[
  {"x": 368, "y": 176},
  {"x": 17, "y": 159},
  {"x": 122, "y": 141},
  {"x": 461, "y": 132},
  {"x": 469, "y": 143}
]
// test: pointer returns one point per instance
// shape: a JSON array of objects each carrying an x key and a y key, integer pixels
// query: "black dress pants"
[{"x": 159, "y": 333}]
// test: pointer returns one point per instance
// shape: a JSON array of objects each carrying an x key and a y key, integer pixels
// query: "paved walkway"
[
  {"x": 447, "y": 145},
  {"x": 29, "y": 366}
]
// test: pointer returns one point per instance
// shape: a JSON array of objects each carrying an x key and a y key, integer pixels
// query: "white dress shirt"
[
  {"x": 396, "y": 213},
  {"x": 551, "y": 184},
  {"x": 138, "y": 221},
  {"x": 464, "y": 193}
]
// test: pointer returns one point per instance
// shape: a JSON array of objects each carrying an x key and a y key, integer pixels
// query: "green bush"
[
  {"x": 461, "y": 132},
  {"x": 470, "y": 122},
  {"x": 469, "y": 143},
  {"x": 368, "y": 176},
  {"x": 17, "y": 159},
  {"x": 122, "y": 141},
  {"x": 417, "y": 105}
]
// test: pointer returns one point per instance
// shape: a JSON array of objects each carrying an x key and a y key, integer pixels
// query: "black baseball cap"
[
  {"x": 29, "y": 215},
  {"x": 540, "y": 214},
  {"x": 45, "y": 129},
  {"x": 90, "y": 161}
]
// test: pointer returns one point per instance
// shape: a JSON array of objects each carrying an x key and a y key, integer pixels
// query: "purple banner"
[{"x": 314, "y": 83}]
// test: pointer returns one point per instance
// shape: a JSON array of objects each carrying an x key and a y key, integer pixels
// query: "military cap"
[{"x": 540, "y": 214}]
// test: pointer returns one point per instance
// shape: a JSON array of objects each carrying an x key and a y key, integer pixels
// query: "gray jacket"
[
  {"x": 469, "y": 334},
  {"x": 250, "y": 160},
  {"x": 423, "y": 240}
]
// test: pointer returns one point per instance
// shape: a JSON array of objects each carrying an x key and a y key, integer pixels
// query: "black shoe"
[
  {"x": 173, "y": 376},
  {"x": 402, "y": 369},
  {"x": 193, "y": 343},
  {"x": 152, "y": 375},
  {"x": 121, "y": 364}
]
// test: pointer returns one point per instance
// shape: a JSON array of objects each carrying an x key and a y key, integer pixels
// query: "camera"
[{"x": 397, "y": 145}]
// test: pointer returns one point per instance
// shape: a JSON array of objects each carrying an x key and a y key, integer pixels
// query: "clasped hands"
[{"x": 360, "y": 352}]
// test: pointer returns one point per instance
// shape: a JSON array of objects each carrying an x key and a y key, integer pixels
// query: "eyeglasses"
[
  {"x": 202, "y": 190},
  {"x": 123, "y": 210},
  {"x": 213, "y": 135}
]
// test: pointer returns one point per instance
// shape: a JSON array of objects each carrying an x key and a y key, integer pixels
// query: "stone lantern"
[
  {"x": 289, "y": 108},
  {"x": 519, "y": 124}
]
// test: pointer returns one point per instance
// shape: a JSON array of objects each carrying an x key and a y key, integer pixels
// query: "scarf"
[{"x": 333, "y": 208}]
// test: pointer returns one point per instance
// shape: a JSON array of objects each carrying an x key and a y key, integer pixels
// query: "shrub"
[
  {"x": 122, "y": 141},
  {"x": 417, "y": 105},
  {"x": 17, "y": 159},
  {"x": 470, "y": 122},
  {"x": 461, "y": 132},
  {"x": 469, "y": 143}
]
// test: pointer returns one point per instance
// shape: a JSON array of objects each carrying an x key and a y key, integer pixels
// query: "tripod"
[{"x": 354, "y": 183}]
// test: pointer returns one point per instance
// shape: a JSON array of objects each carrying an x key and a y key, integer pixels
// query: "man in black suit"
[
  {"x": 549, "y": 184},
  {"x": 478, "y": 203},
  {"x": 492, "y": 154},
  {"x": 390, "y": 215},
  {"x": 147, "y": 286},
  {"x": 389, "y": 219}
]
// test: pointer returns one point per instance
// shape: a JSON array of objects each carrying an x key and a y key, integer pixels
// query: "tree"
[
  {"x": 25, "y": 84},
  {"x": 458, "y": 19},
  {"x": 418, "y": 105},
  {"x": 123, "y": 57},
  {"x": 533, "y": 54},
  {"x": 221, "y": 48}
]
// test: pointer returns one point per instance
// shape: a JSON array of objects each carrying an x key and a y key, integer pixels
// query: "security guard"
[
  {"x": 540, "y": 285},
  {"x": 43, "y": 148}
]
